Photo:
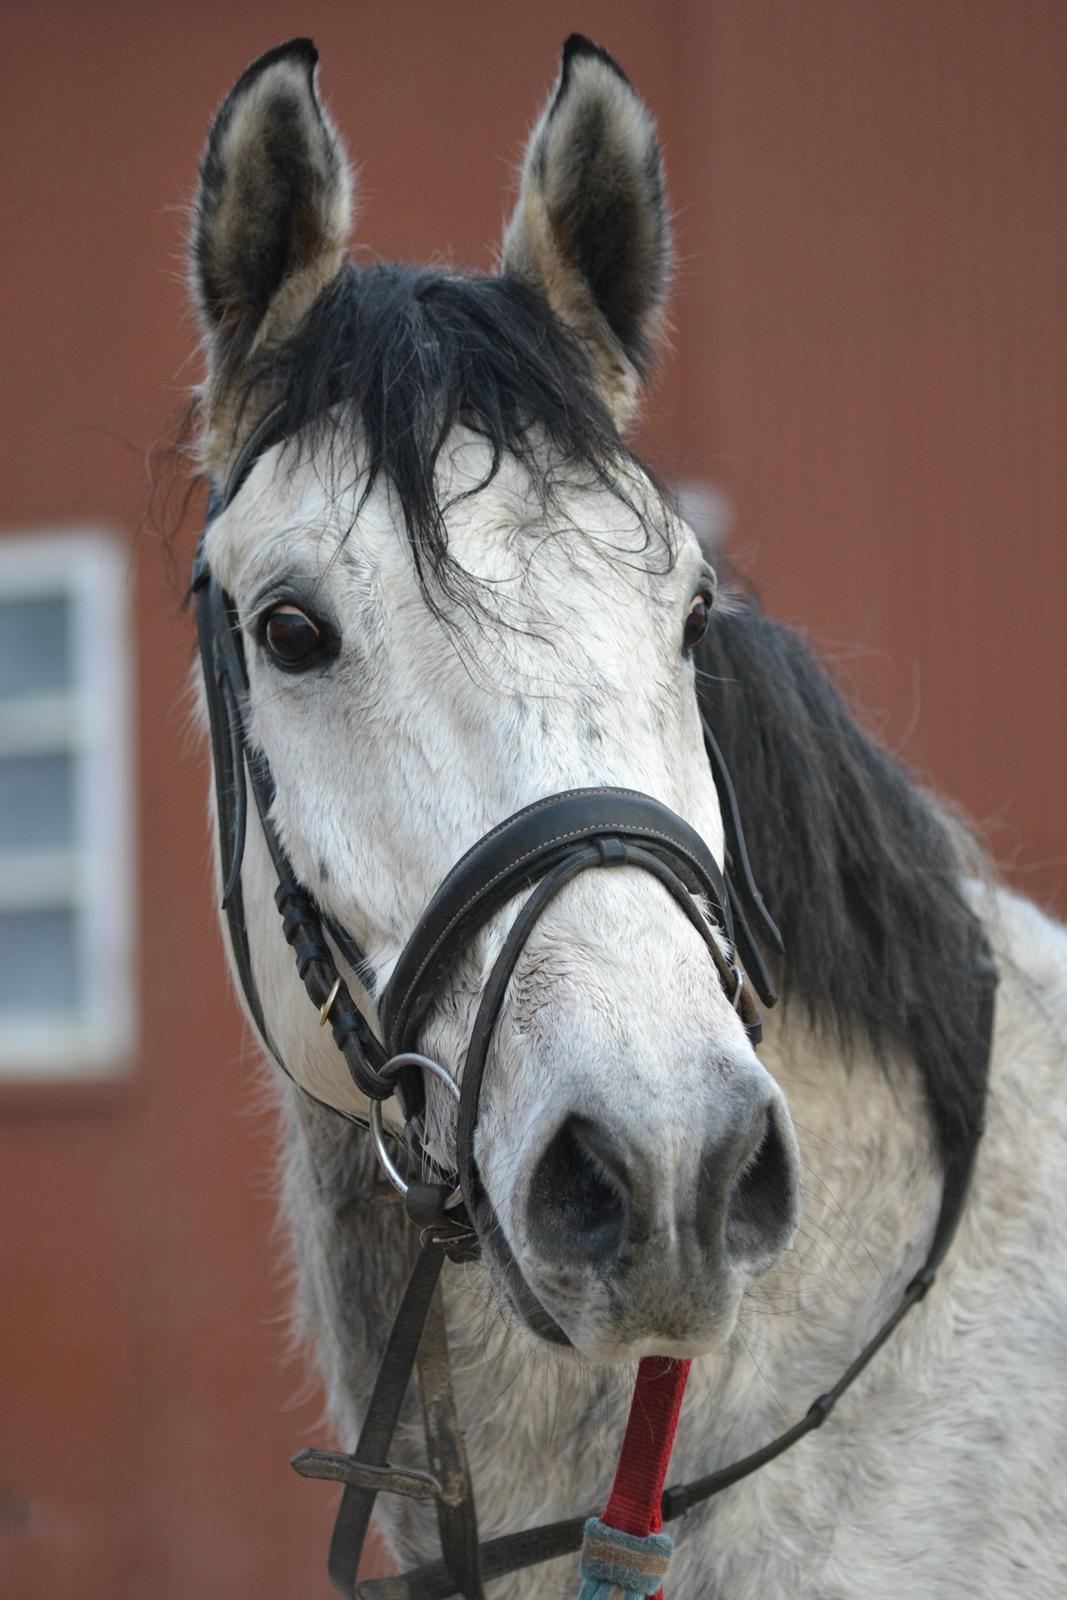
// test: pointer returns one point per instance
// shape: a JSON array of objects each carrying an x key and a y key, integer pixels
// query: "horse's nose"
[{"x": 600, "y": 1195}]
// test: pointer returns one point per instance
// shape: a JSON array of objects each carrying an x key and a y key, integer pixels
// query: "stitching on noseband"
[{"x": 509, "y": 870}]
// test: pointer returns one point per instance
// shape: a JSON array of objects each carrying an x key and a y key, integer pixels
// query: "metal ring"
[
  {"x": 327, "y": 1004},
  {"x": 409, "y": 1058},
  {"x": 739, "y": 975}
]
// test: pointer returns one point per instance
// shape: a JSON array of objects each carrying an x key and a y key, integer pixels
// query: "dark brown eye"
[
  {"x": 292, "y": 638},
  {"x": 696, "y": 621}
]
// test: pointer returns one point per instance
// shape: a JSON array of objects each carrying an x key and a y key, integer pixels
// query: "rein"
[{"x": 540, "y": 849}]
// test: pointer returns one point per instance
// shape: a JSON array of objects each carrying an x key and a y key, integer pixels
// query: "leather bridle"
[{"x": 538, "y": 851}]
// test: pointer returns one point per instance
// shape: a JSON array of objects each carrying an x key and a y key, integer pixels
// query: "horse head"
[{"x": 458, "y": 592}]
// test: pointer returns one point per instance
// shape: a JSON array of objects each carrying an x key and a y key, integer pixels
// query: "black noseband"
[
  {"x": 601, "y": 827},
  {"x": 540, "y": 849}
]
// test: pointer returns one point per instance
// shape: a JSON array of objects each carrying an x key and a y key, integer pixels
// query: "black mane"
[
  {"x": 856, "y": 866},
  {"x": 392, "y": 358}
]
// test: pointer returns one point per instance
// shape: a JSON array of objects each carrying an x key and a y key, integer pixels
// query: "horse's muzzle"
[{"x": 632, "y": 1244}]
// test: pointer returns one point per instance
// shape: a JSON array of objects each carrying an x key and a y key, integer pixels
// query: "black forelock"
[{"x": 391, "y": 359}]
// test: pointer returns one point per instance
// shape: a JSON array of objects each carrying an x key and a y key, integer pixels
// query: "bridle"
[{"x": 539, "y": 851}]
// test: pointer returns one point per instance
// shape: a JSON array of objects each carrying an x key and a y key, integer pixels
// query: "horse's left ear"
[
  {"x": 271, "y": 223},
  {"x": 590, "y": 230}
]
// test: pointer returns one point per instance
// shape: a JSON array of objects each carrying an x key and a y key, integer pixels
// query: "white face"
[{"x": 622, "y": 1097}]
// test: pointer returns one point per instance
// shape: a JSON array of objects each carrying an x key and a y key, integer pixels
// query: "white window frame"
[{"x": 93, "y": 719}]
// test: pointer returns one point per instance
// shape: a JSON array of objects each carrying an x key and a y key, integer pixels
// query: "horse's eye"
[
  {"x": 696, "y": 621},
  {"x": 292, "y": 637}
]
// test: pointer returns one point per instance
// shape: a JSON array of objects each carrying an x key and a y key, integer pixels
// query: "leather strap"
[
  {"x": 457, "y": 1517},
  {"x": 237, "y": 765},
  {"x": 745, "y": 896},
  {"x": 514, "y": 856},
  {"x": 383, "y": 1414},
  {"x": 224, "y": 689}
]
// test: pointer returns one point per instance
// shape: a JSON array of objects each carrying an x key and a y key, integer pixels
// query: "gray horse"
[{"x": 460, "y": 591}]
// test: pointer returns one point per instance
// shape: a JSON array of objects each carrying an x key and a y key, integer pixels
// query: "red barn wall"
[{"x": 868, "y": 358}]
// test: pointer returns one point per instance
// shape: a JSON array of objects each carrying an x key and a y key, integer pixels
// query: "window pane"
[
  {"x": 36, "y": 802},
  {"x": 65, "y": 985},
  {"x": 38, "y": 964},
  {"x": 34, "y": 645}
]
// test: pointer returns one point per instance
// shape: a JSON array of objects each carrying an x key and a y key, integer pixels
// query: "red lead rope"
[{"x": 634, "y": 1504}]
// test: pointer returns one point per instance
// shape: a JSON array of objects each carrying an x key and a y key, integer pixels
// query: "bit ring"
[{"x": 409, "y": 1058}]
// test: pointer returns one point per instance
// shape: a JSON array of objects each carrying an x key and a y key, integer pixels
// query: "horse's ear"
[
  {"x": 590, "y": 229},
  {"x": 271, "y": 222}
]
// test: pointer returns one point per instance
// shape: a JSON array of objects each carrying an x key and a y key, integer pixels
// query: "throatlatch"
[{"x": 536, "y": 852}]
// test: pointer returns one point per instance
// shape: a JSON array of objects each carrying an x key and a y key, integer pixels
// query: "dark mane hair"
[
  {"x": 392, "y": 358},
  {"x": 857, "y": 867}
]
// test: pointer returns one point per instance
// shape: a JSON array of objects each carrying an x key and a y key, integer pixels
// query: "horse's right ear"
[{"x": 271, "y": 222}]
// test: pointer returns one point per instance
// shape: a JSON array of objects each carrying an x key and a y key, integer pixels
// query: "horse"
[{"x": 458, "y": 590}]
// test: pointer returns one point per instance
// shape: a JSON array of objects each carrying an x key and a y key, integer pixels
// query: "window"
[{"x": 65, "y": 817}]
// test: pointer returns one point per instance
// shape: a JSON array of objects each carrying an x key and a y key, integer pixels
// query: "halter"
[{"x": 540, "y": 849}]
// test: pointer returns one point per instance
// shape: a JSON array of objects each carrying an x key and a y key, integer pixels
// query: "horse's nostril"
[
  {"x": 596, "y": 1200},
  {"x": 579, "y": 1199},
  {"x": 762, "y": 1205}
]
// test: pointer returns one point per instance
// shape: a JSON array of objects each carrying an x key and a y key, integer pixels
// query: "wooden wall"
[{"x": 872, "y": 335}]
